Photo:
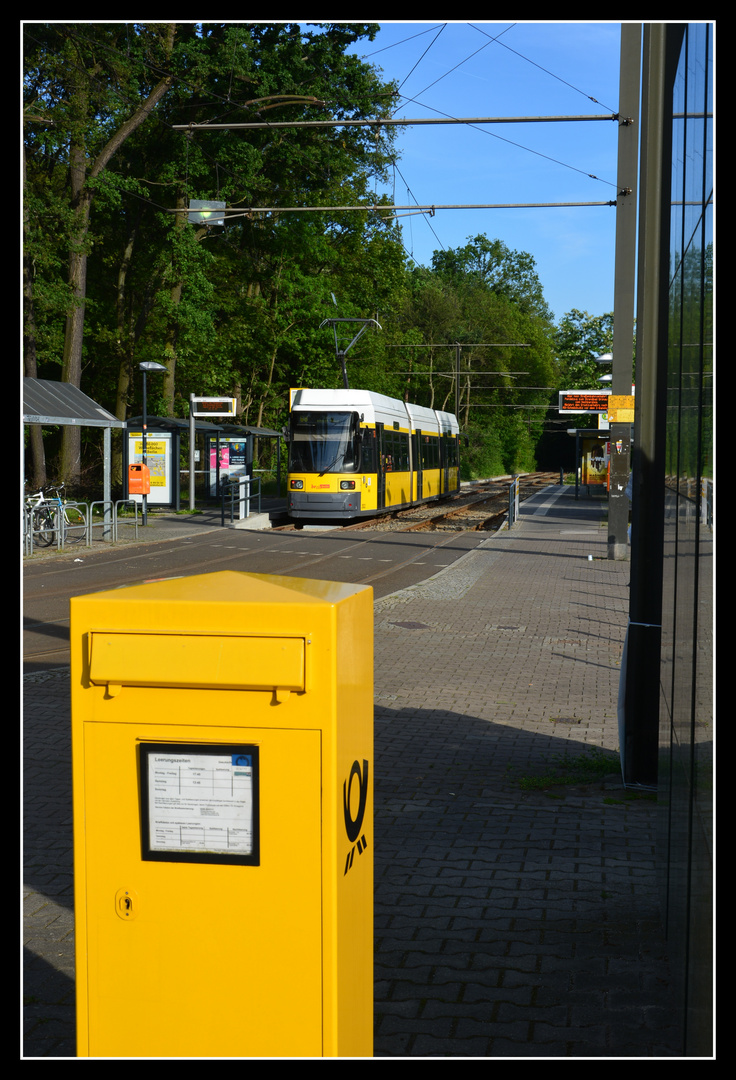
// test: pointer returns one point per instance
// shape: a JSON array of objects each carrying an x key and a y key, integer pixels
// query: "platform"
[{"x": 515, "y": 915}]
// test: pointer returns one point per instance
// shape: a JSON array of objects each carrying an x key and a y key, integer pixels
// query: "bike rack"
[
  {"x": 67, "y": 528},
  {"x": 117, "y": 524},
  {"x": 233, "y": 488},
  {"x": 27, "y": 531},
  {"x": 107, "y": 523}
]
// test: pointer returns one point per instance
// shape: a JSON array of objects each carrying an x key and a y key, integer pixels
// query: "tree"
[
  {"x": 88, "y": 87},
  {"x": 579, "y": 339},
  {"x": 501, "y": 270},
  {"x": 236, "y": 308}
]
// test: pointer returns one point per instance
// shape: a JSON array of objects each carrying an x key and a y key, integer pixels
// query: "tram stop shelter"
[
  {"x": 224, "y": 450},
  {"x": 591, "y": 459},
  {"x": 59, "y": 404}
]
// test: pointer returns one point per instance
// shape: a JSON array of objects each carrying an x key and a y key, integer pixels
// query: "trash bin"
[
  {"x": 222, "y": 740},
  {"x": 139, "y": 480}
]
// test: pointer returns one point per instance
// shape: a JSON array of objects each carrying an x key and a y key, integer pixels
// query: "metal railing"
[
  {"x": 117, "y": 524},
  {"x": 111, "y": 522},
  {"x": 513, "y": 502},
  {"x": 706, "y": 503},
  {"x": 236, "y": 492},
  {"x": 55, "y": 524}
]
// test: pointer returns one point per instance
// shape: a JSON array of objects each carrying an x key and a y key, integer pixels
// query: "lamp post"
[{"x": 146, "y": 366}]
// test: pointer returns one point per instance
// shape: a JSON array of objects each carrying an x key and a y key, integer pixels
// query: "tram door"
[
  {"x": 417, "y": 437},
  {"x": 380, "y": 468}
]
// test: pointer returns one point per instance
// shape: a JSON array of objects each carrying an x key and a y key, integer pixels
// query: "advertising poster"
[
  {"x": 158, "y": 459},
  {"x": 595, "y": 462},
  {"x": 231, "y": 460}
]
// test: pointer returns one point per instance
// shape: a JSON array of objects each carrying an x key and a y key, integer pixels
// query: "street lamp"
[
  {"x": 607, "y": 358},
  {"x": 146, "y": 366}
]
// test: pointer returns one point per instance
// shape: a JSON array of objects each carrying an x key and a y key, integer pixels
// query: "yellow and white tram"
[{"x": 353, "y": 454}]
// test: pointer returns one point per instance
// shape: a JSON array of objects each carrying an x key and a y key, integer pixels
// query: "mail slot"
[
  {"x": 139, "y": 480},
  {"x": 222, "y": 743}
]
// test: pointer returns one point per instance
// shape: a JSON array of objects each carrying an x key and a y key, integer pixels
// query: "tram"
[{"x": 354, "y": 454}]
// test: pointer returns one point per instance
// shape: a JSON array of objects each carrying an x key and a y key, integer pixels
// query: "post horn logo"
[{"x": 353, "y": 826}]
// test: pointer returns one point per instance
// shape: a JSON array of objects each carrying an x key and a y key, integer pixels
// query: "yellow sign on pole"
[{"x": 621, "y": 409}]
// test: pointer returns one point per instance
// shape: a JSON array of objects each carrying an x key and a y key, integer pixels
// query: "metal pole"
[
  {"x": 143, "y": 449},
  {"x": 191, "y": 451},
  {"x": 624, "y": 282},
  {"x": 392, "y": 122},
  {"x": 640, "y": 735}
]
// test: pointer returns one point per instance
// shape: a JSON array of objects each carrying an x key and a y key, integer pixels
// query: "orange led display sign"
[
  {"x": 213, "y": 406},
  {"x": 583, "y": 401}
]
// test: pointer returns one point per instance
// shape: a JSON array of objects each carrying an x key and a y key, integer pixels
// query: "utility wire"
[
  {"x": 434, "y": 39},
  {"x": 519, "y": 146},
  {"x": 535, "y": 64},
  {"x": 458, "y": 65}
]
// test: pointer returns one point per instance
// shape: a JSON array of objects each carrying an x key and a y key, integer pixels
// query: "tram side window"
[
  {"x": 450, "y": 451},
  {"x": 395, "y": 451},
  {"x": 368, "y": 449},
  {"x": 430, "y": 447}
]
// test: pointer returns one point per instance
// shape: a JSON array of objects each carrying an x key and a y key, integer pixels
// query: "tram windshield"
[{"x": 324, "y": 442}]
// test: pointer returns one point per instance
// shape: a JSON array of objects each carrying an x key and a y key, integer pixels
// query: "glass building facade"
[{"x": 685, "y": 766}]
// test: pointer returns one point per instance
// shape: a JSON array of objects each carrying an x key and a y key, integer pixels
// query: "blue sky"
[{"x": 541, "y": 69}]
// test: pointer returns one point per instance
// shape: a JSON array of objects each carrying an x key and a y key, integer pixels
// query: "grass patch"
[
  {"x": 573, "y": 769},
  {"x": 632, "y": 796}
]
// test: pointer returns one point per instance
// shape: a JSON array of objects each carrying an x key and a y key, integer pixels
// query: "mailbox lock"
[{"x": 126, "y": 904}]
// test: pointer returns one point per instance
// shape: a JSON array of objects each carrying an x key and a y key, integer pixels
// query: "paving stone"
[{"x": 509, "y": 922}]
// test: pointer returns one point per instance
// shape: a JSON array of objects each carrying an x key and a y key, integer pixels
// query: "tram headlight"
[
  {"x": 296, "y": 485},
  {"x": 347, "y": 485}
]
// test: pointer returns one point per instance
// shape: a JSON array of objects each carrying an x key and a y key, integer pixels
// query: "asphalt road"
[{"x": 386, "y": 561}]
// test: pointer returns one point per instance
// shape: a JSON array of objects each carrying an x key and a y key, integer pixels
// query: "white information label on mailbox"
[{"x": 200, "y": 801}]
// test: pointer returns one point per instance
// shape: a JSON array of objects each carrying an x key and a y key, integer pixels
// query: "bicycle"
[
  {"x": 41, "y": 519},
  {"x": 51, "y": 515},
  {"x": 72, "y": 520}
]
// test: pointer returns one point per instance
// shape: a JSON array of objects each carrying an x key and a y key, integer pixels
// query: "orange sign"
[{"x": 621, "y": 409}]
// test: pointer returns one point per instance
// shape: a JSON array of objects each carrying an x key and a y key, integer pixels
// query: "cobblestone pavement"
[{"x": 515, "y": 915}]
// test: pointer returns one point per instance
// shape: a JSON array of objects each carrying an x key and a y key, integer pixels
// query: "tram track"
[
  {"x": 51, "y": 594},
  {"x": 481, "y": 507}
]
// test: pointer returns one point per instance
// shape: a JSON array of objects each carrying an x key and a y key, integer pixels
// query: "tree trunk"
[
  {"x": 125, "y": 353},
  {"x": 172, "y": 330},
  {"x": 38, "y": 457},
  {"x": 81, "y": 201}
]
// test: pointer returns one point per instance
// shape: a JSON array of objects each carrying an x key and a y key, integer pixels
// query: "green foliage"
[
  {"x": 238, "y": 309},
  {"x": 579, "y": 339}
]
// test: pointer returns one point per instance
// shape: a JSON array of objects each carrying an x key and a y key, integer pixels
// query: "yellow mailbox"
[{"x": 222, "y": 746}]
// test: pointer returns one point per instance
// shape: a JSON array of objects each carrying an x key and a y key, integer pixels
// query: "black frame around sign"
[{"x": 145, "y": 749}]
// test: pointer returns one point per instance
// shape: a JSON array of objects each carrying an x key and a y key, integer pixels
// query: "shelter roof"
[{"x": 50, "y": 403}]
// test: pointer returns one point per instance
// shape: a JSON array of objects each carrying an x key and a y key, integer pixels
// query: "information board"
[
  {"x": 199, "y": 803},
  {"x": 212, "y": 406},
  {"x": 583, "y": 401}
]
